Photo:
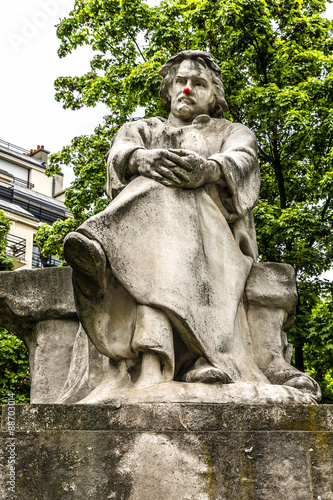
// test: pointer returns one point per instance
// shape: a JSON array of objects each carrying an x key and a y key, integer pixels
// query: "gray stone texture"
[
  {"x": 272, "y": 298},
  {"x": 38, "y": 306},
  {"x": 44, "y": 294},
  {"x": 172, "y": 452}
]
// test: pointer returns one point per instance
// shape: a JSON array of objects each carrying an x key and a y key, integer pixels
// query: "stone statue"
[{"x": 160, "y": 276}]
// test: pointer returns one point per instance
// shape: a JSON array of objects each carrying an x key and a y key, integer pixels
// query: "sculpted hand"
[
  {"x": 162, "y": 165},
  {"x": 175, "y": 167},
  {"x": 202, "y": 171}
]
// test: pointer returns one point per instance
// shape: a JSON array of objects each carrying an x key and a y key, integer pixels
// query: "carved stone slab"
[{"x": 171, "y": 451}]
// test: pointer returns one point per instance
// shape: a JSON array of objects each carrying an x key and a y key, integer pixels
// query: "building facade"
[{"x": 28, "y": 197}]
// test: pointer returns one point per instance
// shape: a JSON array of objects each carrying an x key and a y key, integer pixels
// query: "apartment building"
[{"x": 28, "y": 197}]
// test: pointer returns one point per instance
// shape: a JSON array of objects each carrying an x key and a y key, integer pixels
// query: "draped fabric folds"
[{"x": 184, "y": 252}]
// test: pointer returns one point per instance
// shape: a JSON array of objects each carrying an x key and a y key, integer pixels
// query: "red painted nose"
[{"x": 186, "y": 90}]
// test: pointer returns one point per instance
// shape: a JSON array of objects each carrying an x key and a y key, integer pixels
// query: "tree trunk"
[{"x": 299, "y": 360}]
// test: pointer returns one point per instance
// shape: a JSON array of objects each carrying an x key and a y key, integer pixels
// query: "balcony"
[
  {"x": 23, "y": 183},
  {"x": 16, "y": 248}
]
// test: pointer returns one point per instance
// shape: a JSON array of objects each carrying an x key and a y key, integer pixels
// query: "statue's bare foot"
[
  {"x": 207, "y": 376},
  {"x": 305, "y": 383},
  {"x": 88, "y": 261},
  {"x": 288, "y": 375},
  {"x": 205, "y": 373}
]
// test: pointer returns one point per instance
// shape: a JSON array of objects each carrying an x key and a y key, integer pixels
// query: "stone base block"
[{"x": 170, "y": 451}]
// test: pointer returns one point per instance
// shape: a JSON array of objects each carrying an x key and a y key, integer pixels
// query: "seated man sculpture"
[{"x": 159, "y": 276}]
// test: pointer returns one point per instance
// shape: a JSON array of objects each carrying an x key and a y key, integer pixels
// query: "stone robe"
[{"x": 184, "y": 253}]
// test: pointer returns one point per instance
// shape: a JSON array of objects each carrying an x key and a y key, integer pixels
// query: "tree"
[{"x": 276, "y": 62}]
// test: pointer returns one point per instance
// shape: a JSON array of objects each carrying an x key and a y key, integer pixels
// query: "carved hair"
[{"x": 170, "y": 68}]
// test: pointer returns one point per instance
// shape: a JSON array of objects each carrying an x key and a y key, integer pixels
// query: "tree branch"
[
  {"x": 325, "y": 208},
  {"x": 136, "y": 44}
]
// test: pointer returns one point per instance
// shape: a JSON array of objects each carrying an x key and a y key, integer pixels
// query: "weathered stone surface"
[
  {"x": 176, "y": 392},
  {"x": 38, "y": 306},
  {"x": 66, "y": 367},
  {"x": 178, "y": 239},
  {"x": 272, "y": 297},
  {"x": 172, "y": 451},
  {"x": 271, "y": 304},
  {"x": 272, "y": 285},
  {"x": 172, "y": 416},
  {"x": 50, "y": 352},
  {"x": 32, "y": 295}
]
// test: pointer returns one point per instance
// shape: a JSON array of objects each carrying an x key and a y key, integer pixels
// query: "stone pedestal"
[{"x": 170, "y": 451}]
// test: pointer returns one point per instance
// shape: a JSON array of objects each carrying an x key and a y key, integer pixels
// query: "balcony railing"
[
  {"x": 8, "y": 145},
  {"x": 22, "y": 182},
  {"x": 39, "y": 261},
  {"x": 16, "y": 247}
]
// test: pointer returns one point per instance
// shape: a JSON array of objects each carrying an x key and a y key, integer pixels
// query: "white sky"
[{"x": 29, "y": 65}]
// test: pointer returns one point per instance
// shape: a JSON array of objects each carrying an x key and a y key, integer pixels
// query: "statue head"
[{"x": 169, "y": 71}]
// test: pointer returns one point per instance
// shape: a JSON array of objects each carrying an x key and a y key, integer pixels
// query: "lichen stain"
[
  {"x": 299, "y": 423},
  {"x": 209, "y": 476},
  {"x": 321, "y": 440},
  {"x": 247, "y": 479}
]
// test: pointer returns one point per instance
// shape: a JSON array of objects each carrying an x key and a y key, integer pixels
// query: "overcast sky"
[{"x": 29, "y": 65}]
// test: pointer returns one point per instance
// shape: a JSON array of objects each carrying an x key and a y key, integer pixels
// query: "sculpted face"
[{"x": 196, "y": 81}]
